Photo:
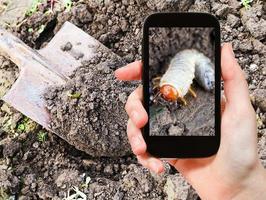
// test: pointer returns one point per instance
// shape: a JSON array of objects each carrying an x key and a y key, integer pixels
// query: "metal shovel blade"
[{"x": 47, "y": 67}]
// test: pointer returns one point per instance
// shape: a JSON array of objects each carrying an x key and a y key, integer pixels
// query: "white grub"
[{"x": 184, "y": 67}]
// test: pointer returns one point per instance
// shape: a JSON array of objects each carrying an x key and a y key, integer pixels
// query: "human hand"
[{"x": 235, "y": 172}]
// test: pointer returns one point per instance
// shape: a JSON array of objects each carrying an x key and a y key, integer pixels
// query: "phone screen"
[{"x": 181, "y": 81}]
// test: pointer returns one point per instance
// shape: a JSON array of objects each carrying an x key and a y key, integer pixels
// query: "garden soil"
[{"x": 34, "y": 167}]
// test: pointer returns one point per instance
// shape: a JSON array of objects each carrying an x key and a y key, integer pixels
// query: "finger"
[
  {"x": 135, "y": 138},
  {"x": 135, "y": 109},
  {"x": 130, "y": 72},
  {"x": 235, "y": 85},
  {"x": 152, "y": 163}
]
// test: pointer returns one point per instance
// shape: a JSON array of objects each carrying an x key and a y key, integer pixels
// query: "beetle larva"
[{"x": 183, "y": 68}]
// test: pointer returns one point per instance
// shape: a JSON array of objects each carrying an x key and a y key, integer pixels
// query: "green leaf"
[
  {"x": 75, "y": 95},
  {"x": 42, "y": 136}
]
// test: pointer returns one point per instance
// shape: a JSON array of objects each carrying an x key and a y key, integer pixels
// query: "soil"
[
  {"x": 172, "y": 118},
  {"x": 96, "y": 121},
  {"x": 46, "y": 169}
]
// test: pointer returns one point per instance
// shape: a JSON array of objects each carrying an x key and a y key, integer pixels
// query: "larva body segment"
[{"x": 184, "y": 67}]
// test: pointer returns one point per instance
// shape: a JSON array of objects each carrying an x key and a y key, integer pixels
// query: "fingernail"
[{"x": 134, "y": 116}]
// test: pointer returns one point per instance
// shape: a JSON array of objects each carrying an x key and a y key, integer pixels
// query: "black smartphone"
[{"x": 181, "y": 84}]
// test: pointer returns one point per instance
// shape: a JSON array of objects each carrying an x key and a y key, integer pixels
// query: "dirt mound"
[{"x": 89, "y": 110}]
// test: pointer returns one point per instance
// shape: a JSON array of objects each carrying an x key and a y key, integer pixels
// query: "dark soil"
[
  {"x": 95, "y": 120},
  {"x": 172, "y": 118},
  {"x": 47, "y": 170}
]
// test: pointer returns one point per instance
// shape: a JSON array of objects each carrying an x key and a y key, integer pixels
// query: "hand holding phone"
[
  {"x": 235, "y": 169},
  {"x": 181, "y": 84}
]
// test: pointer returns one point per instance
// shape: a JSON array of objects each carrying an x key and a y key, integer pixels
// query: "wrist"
[{"x": 253, "y": 187}]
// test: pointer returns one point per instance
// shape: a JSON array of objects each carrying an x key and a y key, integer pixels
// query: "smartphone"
[{"x": 181, "y": 84}]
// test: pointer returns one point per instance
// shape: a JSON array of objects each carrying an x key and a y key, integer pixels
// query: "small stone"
[
  {"x": 176, "y": 184},
  {"x": 253, "y": 67},
  {"x": 35, "y": 145},
  {"x": 67, "y": 177},
  {"x": 264, "y": 70},
  {"x": 108, "y": 170},
  {"x": 251, "y": 19},
  {"x": 124, "y": 25},
  {"x": 259, "y": 96},
  {"x": 221, "y": 10},
  {"x": 67, "y": 47},
  {"x": 175, "y": 130},
  {"x": 11, "y": 148},
  {"x": 232, "y": 20}
]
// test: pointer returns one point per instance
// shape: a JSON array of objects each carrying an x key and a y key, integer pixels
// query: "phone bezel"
[{"x": 182, "y": 146}]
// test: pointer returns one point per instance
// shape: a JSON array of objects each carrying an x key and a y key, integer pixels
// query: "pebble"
[
  {"x": 259, "y": 96},
  {"x": 35, "y": 145},
  {"x": 253, "y": 67},
  {"x": 66, "y": 47}
]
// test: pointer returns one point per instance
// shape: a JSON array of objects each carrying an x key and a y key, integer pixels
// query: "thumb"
[{"x": 235, "y": 85}]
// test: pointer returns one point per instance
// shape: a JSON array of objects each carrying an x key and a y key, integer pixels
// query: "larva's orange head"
[{"x": 169, "y": 93}]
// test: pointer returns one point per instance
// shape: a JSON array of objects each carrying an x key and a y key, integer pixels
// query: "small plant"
[
  {"x": 21, "y": 128},
  {"x": 42, "y": 136},
  {"x": 34, "y": 7},
  {"x": 30, "y": 30},
  {"x": 246, "y": 3},
  {"x": 26, "y": 125},
  {"x": 74, "y": 95},
  {"x": 68, "y": 5}
]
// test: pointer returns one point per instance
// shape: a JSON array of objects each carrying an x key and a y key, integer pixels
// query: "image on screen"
[{"x": 181, "y": 81}]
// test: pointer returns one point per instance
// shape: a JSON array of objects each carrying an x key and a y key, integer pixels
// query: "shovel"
[{"x": 44, "y": 68}]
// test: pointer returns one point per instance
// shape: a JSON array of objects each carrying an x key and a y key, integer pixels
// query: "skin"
[{"x": 235, "y": 172}]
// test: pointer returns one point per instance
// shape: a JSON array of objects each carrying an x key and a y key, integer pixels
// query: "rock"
[
  {"x": 252, "y": 20},
  {"x": 67, "y": 178},
  {"x": 259, "y": 96},
  {"x": 140, "y": 184},
  {"x": 235, "y": 5},
  {"x": 200, "y": 6},
  {"x": 8, "y": 181},
  {"x": 258, "y": 46},
  {"x": 160, "y": 120},
  {"x": 263, "y": 84},
  {"x": 253, "y": 67},
  {"x": 82, "y": 13},
  {"x": 29, "y": 179},
  {"x": 232, "y": 20},
  {"x": 175, "y": 130},
  {"x": 245, "y": 45},
  {"x": 11, "y": 148},
  {"x": 176, "y": 187},
  {"x": 220, "y": 10}
]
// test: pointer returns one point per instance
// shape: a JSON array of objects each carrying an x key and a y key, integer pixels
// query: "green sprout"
[
  {"x": 75, "y": 95},
  {"x": 30, "y": 30},
  {"x": 246, "y": 3},
  {"x": 42, "y": 136},
  {"x": 26, "y": 125},
  {"x": 34, "y": 7},
  {"x": 68, "y": 5},
  {"x": 21, "y": 127}
]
